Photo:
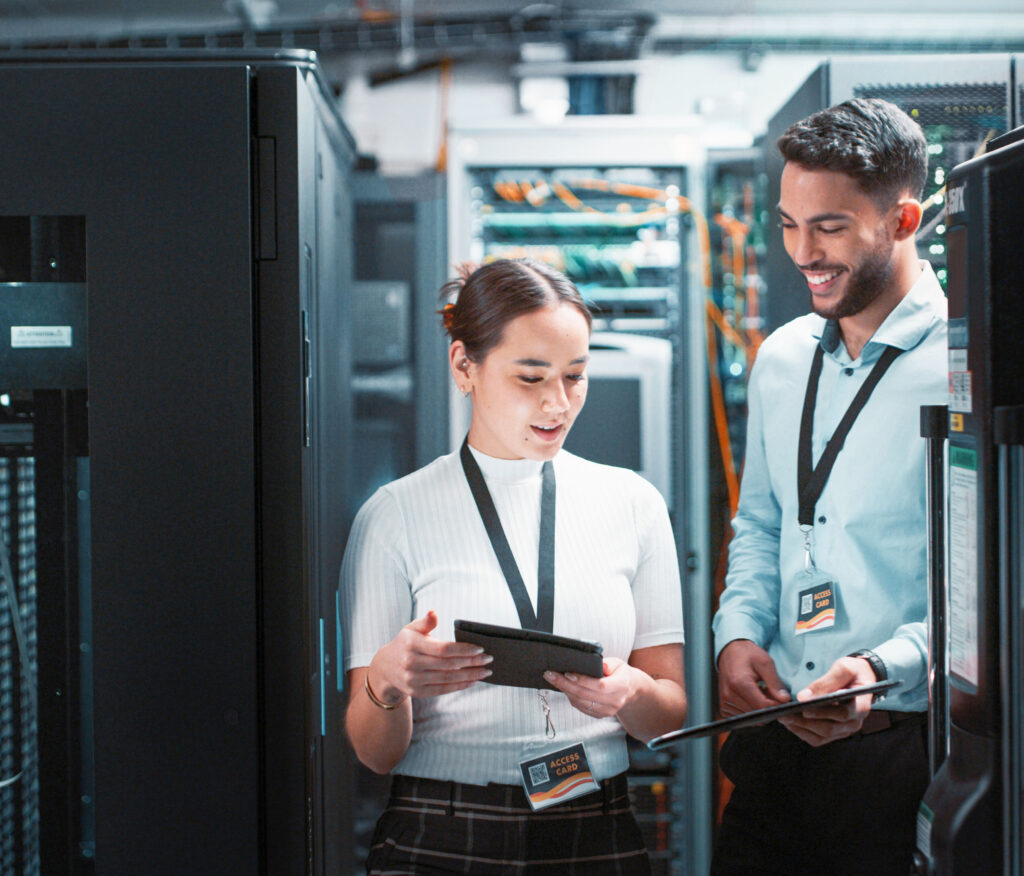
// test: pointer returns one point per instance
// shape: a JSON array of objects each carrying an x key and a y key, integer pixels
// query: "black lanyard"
[
  {"x": 811, "y": 480},
  {"x": 545, "y": 616}
]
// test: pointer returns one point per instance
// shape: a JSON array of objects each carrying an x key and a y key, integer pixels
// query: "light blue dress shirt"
[{"x": 869, "y": 530}]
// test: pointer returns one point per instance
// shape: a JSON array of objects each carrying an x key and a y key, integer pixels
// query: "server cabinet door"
[
  {"x": 306, "y": 403},
  {"x": 156, "y": 160}
]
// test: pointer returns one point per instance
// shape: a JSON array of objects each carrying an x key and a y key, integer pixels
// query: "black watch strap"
[{"x": 876, "y": 664}]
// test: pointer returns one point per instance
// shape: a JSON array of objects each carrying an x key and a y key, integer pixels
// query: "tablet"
[
  {"x": 763, "y": 716},
  {"x": 522, "y": 656}
]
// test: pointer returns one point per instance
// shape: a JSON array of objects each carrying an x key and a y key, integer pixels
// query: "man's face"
[{"x": 838, "y": 238}]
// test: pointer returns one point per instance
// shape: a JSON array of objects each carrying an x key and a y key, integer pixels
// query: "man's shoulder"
[{"x": 794, "y": 339}]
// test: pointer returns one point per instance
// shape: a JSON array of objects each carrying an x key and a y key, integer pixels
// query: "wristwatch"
[{"x": 876, "y": 664}]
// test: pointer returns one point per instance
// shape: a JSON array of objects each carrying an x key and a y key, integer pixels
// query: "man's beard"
[{"x": 864, "y": 285}]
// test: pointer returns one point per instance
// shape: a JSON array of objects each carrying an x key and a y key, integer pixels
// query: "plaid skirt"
[{"x": 435, "y": 827}]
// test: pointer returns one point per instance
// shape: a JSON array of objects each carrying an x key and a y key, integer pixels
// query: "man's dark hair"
[{"x": 872, "y": 141}]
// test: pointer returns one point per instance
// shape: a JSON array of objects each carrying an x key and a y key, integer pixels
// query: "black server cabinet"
[
  {"x": 189, "y": 714},
  {"x": 970, "y": 818}
]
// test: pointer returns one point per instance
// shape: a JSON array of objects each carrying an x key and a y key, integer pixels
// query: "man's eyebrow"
[{"x": 821, "y": 217}]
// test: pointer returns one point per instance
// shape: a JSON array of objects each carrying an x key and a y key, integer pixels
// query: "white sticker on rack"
[
  {"x": 960, "y": 396},
  {"x": 37, "y": 336},
  {"x": 963, "y": 563}
]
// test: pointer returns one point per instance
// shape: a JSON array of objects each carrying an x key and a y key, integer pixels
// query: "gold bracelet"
[{"x": 380, "y": 704}]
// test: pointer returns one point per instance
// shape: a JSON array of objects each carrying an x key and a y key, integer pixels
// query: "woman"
[{"x": 420, "y": 557}]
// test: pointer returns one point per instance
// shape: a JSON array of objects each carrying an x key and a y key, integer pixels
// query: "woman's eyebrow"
[{"x": 540, "y": 363}]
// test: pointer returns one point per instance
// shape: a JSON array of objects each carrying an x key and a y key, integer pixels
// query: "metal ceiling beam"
[
  {"x": 343, "y": 35},
  {"x": 678, "y": 45},
  {"x": 841, "y": 31}
]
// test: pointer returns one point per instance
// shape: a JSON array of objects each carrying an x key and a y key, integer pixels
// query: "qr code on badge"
[
  {"x": 538, "y": 774},
  {"x": 806, "y": 603}
]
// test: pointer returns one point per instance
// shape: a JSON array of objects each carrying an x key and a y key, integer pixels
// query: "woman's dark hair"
[
  {"x": 871, "y": 140},
  {"x": 494, "y": 294}
]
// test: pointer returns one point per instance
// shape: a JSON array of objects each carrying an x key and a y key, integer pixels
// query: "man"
[{"x": 827, "y": 574}]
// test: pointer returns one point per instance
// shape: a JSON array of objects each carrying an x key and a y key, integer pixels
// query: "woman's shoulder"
[
  {"x": 391, "y": 504},
  {"x": 433, "y": 476}
]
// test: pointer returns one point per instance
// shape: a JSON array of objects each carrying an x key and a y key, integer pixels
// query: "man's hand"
[
  {"x": 823, "y": 724},
  {"x": 747, "y": 679}
]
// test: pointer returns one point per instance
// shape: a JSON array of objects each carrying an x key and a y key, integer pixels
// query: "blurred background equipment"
[{"x": 627, "y": 227}]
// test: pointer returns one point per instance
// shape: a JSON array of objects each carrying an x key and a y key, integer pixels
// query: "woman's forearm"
[
  {"x": 379, "y": 736},
  {"x": 658, "y": 707}
]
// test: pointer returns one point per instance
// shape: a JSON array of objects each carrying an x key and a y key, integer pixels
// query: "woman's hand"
[
  {"x": 600, "y": 697},
  {"x": 414, "y": 664},
  {"x": 646, "y": 695}
]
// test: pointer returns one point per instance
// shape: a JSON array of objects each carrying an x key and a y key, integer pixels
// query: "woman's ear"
[{"x": 460, "y": 365}]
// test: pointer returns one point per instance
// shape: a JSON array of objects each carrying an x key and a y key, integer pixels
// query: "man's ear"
[{"x": 908, "y": 218}]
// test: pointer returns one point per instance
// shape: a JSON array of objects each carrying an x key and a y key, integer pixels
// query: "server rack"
[
  {"x": 401, "y": 372},
  {"x": 401, "y": 352},
  {"x": 597, "y": 184},
  {"x": 188, "y": 223},
  {"x": 970, "y": 817}
]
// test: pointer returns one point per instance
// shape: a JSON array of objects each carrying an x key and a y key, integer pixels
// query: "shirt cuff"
[
  {"x": 902, "y": 660},
  {"x": 652, "y": 640}
]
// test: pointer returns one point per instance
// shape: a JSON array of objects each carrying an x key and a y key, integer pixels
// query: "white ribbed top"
[{"x": 419, "y": 544}]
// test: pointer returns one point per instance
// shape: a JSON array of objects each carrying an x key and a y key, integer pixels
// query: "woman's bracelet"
[{"x": 380, "y": 704}]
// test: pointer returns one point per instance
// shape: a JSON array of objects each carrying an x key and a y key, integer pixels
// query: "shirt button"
[
  {"x": 822, "y": 519},
  {"x": 847, "y": 371},
  {"x": 810, "y": 664}
]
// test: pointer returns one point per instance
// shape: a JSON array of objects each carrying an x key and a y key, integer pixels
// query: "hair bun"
[{"x": 465, "y": 270}]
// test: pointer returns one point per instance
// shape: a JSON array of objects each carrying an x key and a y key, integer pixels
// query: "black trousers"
[{"x": 845, "y": 809}]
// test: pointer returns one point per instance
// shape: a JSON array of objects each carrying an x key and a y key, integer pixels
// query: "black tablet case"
[{"x": 522, "y": 656}]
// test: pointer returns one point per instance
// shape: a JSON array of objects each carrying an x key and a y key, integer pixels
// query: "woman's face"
[{"x": 529, "y": 388}]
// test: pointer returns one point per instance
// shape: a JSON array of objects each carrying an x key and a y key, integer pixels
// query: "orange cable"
[
  {"x": 569, "y": 198},
  {"x": 441, "y": 165},
  {"x": 508, "y": 191},
  {"x": 721, "y": 420},
  {"x": 716, "y": 315},
  {"x": 631, "y": 190},
  {"x": 753, "y": 310}
]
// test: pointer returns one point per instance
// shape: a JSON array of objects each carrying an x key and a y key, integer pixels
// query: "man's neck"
[{"x": 858, "y": 329}]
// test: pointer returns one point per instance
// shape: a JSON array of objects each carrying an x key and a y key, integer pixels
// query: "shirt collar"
[
  {"x": 508, "y": 471},
  {"x": 906, "y": 325}
]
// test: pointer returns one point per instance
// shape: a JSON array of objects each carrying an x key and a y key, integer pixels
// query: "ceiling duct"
[{"x": 454, "y": 34}]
